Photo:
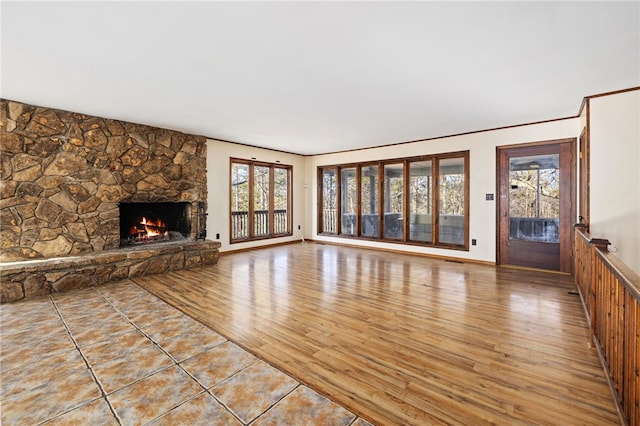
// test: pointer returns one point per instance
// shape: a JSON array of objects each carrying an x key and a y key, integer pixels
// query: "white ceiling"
[{"x": 317, "y": 77}]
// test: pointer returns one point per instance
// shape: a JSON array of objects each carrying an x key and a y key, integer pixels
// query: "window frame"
[
  {"x": 271, "y": 231},
  {"x": 435, "y": 200}
]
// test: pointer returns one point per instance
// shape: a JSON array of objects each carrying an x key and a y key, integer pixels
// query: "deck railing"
[
  {"x": 610, "y": 293},
  {"x": 240, "y": 223},
  {"x": 329, "y": 220}
]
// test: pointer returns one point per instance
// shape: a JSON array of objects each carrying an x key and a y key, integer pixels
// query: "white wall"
[
  {"x": 218, "y": 177},
  {"x": 615, "y": 179},
  {"x": 482, "y": 147},
  {"x": 615, "y": 173}
]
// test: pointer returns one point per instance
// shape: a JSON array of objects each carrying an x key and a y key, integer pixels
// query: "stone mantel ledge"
[{"x": 33, "y": 278}]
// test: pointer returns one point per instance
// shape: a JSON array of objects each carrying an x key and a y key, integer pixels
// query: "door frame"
[
  {"x": 567, "y": 218},
  {"x": 584, "y": 155}
]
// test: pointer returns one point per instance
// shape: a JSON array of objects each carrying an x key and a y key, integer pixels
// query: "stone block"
[
  {"x": 15, "y": 254},
  {"x": 102, "y": 274},
  {"x": 10, "y": 292},
  {"x": 76, "y": 191},
  {"x": 78, "y": 232},
  {"x": 15, "y": 110},
  {"x": 71, "y": 282},
  {"x": 66, "y": 163},
  {"x": 181, "y": 158},
  {"x": 210, "y": 257},
  {"x": 28, "y": 238},
  {"x": 47, "y": 210},
  {"x": 158, "y": 266},
  {"x": 49, "y": 119},
  {"x": 8, "y": 189},
  {"x": 48, "y": 234},
  {"x": 24, "y": 161},
  {"x": 115, "y": 127},
  {"x": 192, "y": 260},
  {"x": 177, "y": 262},
  {"x": 112, "y": 257},
  {"x": 112, "y": 242},
  {"x": 60, "y": 246},
  {"x": 12, "y": 142},
  {"x": 45, "y": 147},
  {"x": 36, "y": 285},
  {"x": 66, "y": 218},
  {"x": 135, "y": 156},
  {"x": 51, "y": 182},
  {"x": 111, "y": 193},
  {"x": 54, "y": 276},
  {"x": 10, "y": 236},
  {"x": 119, "y": 273},
  {"x": 95, "y": 139},
  {"x": 34, "y": 223},
  {"x": 89, "y": 206},
  {"x": 28, "y": 175},
  {"x": 137, "y": 269},
  {"x": 28, "y": 189},
  {"x": 64, "y": 200},
  {"x": 80, "y": 248}
]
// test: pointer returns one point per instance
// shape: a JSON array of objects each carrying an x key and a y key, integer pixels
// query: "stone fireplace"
[{"x": 71, "y": 184}]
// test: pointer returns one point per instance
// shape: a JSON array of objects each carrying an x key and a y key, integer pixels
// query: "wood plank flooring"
[{"x": 406, "y": 340}]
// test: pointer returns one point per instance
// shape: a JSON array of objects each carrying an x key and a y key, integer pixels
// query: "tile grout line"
[
  {"x": 84, "y": 359},
  {"x": 276, "y": 403},
  {"x": 207, "y": 390},
  {"x": 179, "y": 364}
]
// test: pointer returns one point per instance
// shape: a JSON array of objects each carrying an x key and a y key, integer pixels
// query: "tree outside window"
[{"x": 260, "y": 200}]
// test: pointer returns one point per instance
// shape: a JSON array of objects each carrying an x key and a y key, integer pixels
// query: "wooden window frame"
[
  {"x": 271, "y": 232},
  {"x": 434, "y": 199}
]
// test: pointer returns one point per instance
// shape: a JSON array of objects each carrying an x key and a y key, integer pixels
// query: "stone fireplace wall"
[{"x": 64, "y": 173}]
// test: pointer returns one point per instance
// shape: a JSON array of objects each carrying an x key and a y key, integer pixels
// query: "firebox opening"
[{"x": 147, "y": 223}]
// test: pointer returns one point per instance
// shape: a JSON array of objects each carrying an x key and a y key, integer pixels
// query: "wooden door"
[{"x": 536, "y": 194}]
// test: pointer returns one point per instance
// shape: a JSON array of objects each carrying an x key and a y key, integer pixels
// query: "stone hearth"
[
  {"x": 28, "y": 279},
  {"x": 64, "y": 176}
]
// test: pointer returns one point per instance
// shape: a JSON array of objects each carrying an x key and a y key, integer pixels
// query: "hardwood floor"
[{"x": 406, "y": 340}]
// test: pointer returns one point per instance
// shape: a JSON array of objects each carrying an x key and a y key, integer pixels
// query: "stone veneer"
[
  {"x": 28, "y": 279},
  {"x": 63, "y": 175}
]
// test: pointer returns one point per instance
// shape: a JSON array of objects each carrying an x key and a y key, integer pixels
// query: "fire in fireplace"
[
  {"x": 146, "y": 223},
  {"x": 148, "y": 231}
]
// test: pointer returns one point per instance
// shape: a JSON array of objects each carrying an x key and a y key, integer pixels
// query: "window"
[
  {"x": 393, "y": 201},
  {"x": 349, "y": 192},
  {"x": 419, "y": 200},
  {"x": 329, "y": 187},
  {"x": 451, "y": 201},
  {"x": 260, "y": 200},
  {"x": 369, "y": 205}
]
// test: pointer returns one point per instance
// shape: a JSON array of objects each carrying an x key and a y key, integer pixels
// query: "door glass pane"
[
  {"x": 329, "y": 201},
  {"x": 393, "y": 200},
  {"x": 349, "y": 191},
  {"x": 260, "y": 201},
  {"x": 281, "y": 200},
  {"x": 239, "y": 201},
  {"x": 534, "y": 198},
  {"x": 451, "y": 218},
  {"x": 369, "y": 201},
  {"x": 420, "y": 201}
]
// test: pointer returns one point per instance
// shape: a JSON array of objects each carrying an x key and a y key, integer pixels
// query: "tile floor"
[{"x": 118, "y": 355}]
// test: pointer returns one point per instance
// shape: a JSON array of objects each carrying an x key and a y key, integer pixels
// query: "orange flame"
[{"x": 148, "y": 229}]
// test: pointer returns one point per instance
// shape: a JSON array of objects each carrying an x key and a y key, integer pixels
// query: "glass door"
[{"x": 537, "y": 186}]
